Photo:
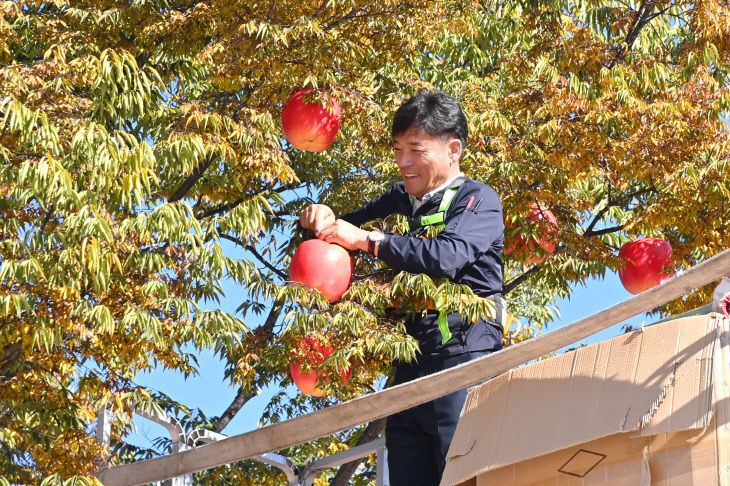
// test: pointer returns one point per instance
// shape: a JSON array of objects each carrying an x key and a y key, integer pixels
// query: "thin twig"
[
  {"x": 260, "y": 257},
  {"x": 220, "y": 209}
]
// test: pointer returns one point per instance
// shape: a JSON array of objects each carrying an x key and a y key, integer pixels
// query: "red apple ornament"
[
  {"x": 315, "y": 353},
  {"x": 645, "y": 263},
  {"x": 525, "y": 249},
  {"x": 323, "y": 266},
  {"x": 310, "y": 126}
]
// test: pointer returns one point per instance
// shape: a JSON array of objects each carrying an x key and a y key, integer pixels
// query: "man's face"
[{"x": 425, "y": 161}]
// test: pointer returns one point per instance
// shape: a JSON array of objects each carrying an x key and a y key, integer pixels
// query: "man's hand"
[
  {"x": 346, "y": 235},
  {"x": 316, "y": 217}
]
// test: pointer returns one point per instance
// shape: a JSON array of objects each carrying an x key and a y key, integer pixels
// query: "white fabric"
[
  {"x": 721, "y": 297},
  {"x": 415, "y": 203}
]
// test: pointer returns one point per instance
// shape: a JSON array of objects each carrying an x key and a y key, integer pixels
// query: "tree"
[
  {"x": 137, "y": 137},
  {"x": 143, "y": 164},
  {"x": 610, "y": 115}
]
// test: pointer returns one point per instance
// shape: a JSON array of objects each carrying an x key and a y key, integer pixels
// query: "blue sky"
[{"x": 208, "y": 392}]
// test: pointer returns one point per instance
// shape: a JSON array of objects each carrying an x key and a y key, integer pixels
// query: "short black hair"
[{"x": 434, "y": 112}]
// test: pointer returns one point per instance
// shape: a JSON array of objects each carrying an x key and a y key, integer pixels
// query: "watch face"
[{"x": 376, "y": 236}]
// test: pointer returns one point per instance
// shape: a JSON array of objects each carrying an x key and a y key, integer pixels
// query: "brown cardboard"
[{"x": 645, "y": 408}]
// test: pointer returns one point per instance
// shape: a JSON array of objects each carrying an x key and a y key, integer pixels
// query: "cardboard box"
[{"x": 651, "y": 407}]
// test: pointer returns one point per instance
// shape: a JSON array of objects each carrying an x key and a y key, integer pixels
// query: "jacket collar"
[{"x": 416, "y": 204}]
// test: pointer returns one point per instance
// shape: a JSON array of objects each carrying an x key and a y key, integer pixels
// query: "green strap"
[
  {"x": 444, "y": 327},
  {"x": 443, "y": 321},
  {"x": 447, "y": 198},
  {"x": 435, "y": 219},
  {"x": 440, "y": 216}
]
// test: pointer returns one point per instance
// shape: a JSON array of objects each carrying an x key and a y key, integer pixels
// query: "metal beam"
[
  {"x": 309, "y": 474},
  {"x": 171, "y": 424},
  {"x": 284, "y": 464}
]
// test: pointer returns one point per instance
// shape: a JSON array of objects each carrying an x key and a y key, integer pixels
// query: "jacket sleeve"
[
  {"x": 390, "y": 202},
  {"x": 468, "y": 234}
]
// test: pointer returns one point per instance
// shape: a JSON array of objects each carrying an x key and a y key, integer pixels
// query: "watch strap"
[{"x": 371, "y": 246}]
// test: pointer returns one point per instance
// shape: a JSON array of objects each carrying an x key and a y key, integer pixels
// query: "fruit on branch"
[
  {"x": 324, "y": 266},
  {"x": 526, "y": 249},
  {"x": 311, "y": 352},
  {"x": 310, "y": 126},
  {"x": 646, "y": 264}
]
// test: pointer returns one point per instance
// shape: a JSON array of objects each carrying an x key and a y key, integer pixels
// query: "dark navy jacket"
[{"x": 467, "y": 251}]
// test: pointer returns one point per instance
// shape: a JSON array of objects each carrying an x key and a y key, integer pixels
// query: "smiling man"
[{"x": 429, "y": 135}]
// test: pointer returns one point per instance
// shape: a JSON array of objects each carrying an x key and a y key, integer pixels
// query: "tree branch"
[
  {"x": 245, "y": 393},
  {"x": 643, "y": 17},
  {"x": 320, "y": 9},
  {"x": 272, "y": 11},
  {"x": 518, "y": 280},
  {"x": 237, "y": 202},
  {"x": 11, "y": 354},
  {"x": 604, "y": 231},
  {"x": 260, "y": 257},
  {"x": 243, "y": 396},
  {"x": 191, "y": 180},
  {"x": 288, "y": 187},
  {"x": 614, "y": 203},
  {"x": 348, "y": 16},
  {"x": 49, "y": 213},
  {"x": 220, "y": 209},
  {"x": 273, "y": 315}
]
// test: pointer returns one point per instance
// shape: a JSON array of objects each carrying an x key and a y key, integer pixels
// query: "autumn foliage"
[{"x": 144, "y": 177}]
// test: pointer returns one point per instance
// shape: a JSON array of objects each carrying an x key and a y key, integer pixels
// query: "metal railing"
[{"x": 295, "y": 475}]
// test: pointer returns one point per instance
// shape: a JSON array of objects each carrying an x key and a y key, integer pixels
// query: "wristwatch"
[{"x": 374, "y": 237}]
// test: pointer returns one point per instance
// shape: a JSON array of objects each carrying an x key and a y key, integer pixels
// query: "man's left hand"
[{"x": 346, "y": 235}]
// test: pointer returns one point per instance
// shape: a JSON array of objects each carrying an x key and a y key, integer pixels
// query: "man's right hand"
[{"x": 316, "y": 217}]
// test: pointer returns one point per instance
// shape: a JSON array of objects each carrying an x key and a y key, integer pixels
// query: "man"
[{"x": 429, "y": 134}]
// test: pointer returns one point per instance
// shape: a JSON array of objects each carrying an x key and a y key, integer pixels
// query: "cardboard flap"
[{"x": 653, "y": 380}]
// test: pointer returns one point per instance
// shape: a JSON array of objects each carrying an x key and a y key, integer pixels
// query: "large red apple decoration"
[
  {"x": 323, "y": 266},
  {"x": 524, "y": 248},
  {"x": 645, "y": 264},
  {"x": 314, "y": 354},
  {"x": 310, "y": 126}
]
